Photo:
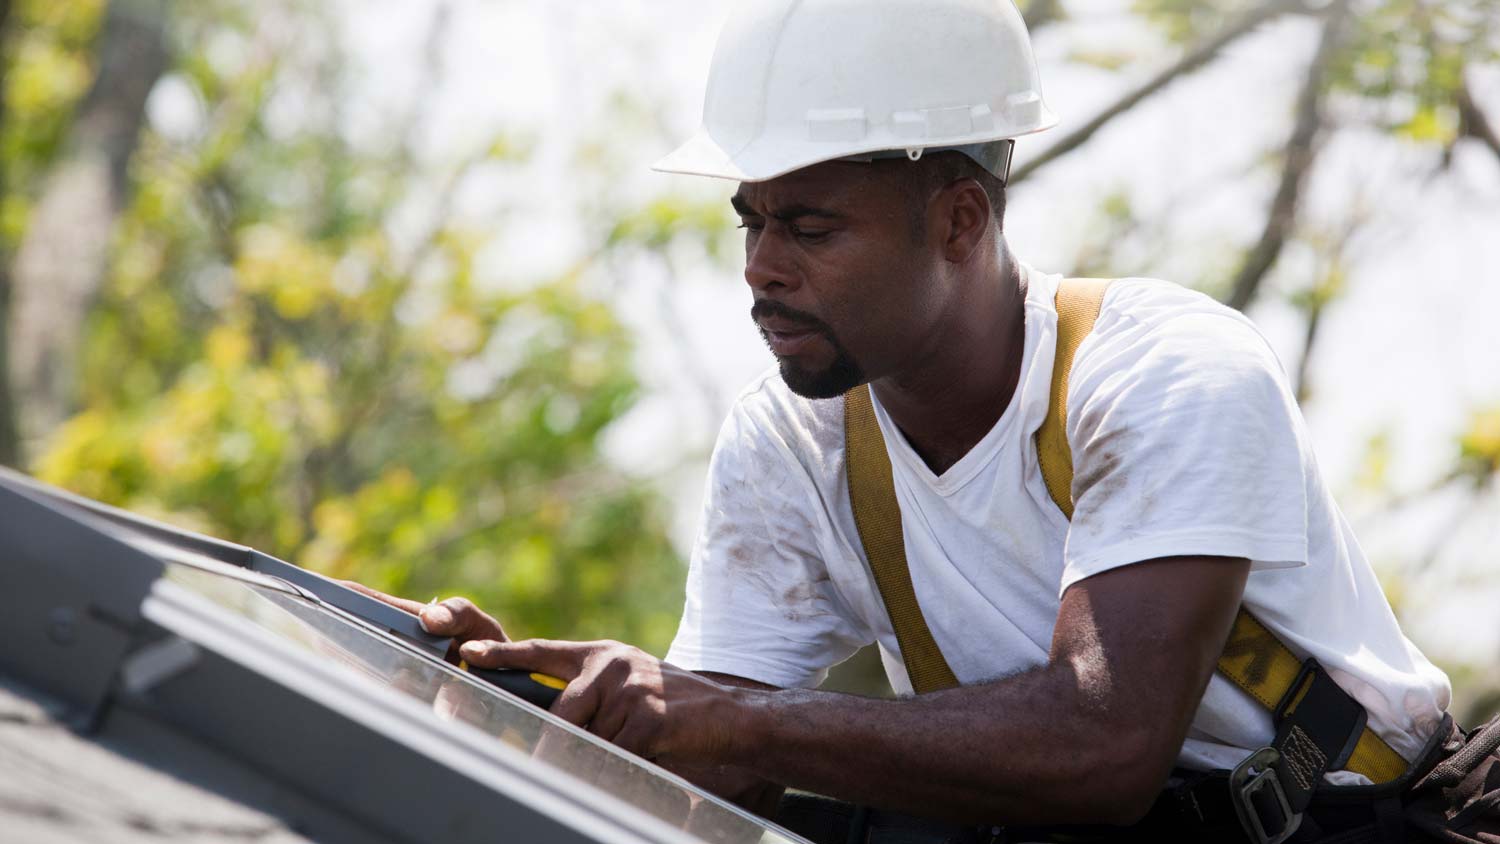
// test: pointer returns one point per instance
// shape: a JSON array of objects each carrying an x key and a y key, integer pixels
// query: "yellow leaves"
[
  {"x": 80, "y": 456},
  {"x": 528, "y": 570},
  {"x": 1375, "y": 467},
  {"x": 1432, "y": 124},
  {"x": 440, "y": 505},
  {"x": 295, "y": 275},
  {"x": 73, "y": 19},
  {"x": 45, "y": 77},
  {"x": 165, "y": 452},
  {"x": 138, "y": 265},
  {"x": 267, "y": 362},
  {"x": 1111, "y": 60},
  {"x": 336, "y": 521},
  {"x": 1479, "y": 446},
  {"x": 227, "y": 347},
  {"x": 662, "y": 220},
  {"x": 458, "y": 333}
]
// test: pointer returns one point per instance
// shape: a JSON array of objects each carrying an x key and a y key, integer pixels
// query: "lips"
[{"x": 787, "y": 337}]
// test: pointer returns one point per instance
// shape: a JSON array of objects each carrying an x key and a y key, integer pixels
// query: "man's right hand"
[{"x": 456, "y": 618}]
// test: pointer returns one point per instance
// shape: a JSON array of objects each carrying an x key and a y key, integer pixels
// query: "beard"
[{"x": 839, "y": 376}]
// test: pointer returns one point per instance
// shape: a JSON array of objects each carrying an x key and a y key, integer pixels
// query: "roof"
[
  {"x": 242, "y": 704},
  {"x": 57, "y": 785}
]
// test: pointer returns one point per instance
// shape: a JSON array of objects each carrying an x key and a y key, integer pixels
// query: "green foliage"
[
  {"x": 1188, "y": 21},
  {"x": 1479, "y": 447},
  {"x": 1408, "y": 57},
  {"x": 282, "y": 357},
  {"x": 48, "y": 69}
]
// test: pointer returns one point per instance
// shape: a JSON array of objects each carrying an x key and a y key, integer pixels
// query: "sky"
[{"x": 1411, "y": 346}]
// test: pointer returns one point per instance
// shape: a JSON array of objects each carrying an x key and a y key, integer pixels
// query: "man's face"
[{"x": 842, "y": 282}]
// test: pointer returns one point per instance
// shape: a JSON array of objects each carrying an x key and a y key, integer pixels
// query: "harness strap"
[
  {"x": 1078, "y": 303},
  {"x": 872, "y": 494},
  {"x": 1253, "y": 659}
]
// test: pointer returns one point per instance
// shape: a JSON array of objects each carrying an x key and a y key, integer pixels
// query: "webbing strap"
[
  {"x": 1262, "y": 667},
  {"x": 1253, "y": 658},
  {"x": 1078, "y": 302},
  {"x": 872, "y": 494}
]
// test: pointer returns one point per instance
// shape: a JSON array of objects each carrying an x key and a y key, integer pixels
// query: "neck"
[{"x": 958, "y": 385}]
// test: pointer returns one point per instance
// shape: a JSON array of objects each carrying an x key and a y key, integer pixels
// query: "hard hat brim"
[
  {"x": 768, "y": 157},
  {"x": 702, "y": 156}
]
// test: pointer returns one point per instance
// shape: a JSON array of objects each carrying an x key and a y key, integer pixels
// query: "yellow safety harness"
[{"x": 1318, "y": 740}]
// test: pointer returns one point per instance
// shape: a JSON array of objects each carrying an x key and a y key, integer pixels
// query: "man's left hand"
[{"x": 624, "y": 695}]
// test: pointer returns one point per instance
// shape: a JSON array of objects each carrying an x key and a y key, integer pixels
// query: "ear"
[{"x": 962, "y": 209}]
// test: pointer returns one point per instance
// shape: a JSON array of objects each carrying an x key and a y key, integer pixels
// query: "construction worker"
[{"x": 1069, "y": 663}]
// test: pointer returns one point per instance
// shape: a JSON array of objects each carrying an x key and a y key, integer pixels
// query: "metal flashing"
[{"x": 332, "y": 711}]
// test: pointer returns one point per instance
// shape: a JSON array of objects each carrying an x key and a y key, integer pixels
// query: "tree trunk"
[
  {"x": 63, "y": 257},
  {"x": 10, "y": 438},
  {"x": 1301, "y": 150}
]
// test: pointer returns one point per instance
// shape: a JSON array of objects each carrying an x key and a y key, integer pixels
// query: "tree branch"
[
  {"x": 1301, "y": 150},
  {"x": 1194, "y": 59},
  {"x": 1475, "y": 123}
]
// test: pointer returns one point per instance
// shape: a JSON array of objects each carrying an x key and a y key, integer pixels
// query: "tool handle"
[{"x": 536, "y": 689}]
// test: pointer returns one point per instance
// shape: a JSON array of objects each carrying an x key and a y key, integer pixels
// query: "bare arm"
[
  {"x": 736, "y": 784},
  {"x": 1088, "y": 738}
]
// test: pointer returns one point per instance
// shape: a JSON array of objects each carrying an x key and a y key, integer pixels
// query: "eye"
[
  {"x": 750, "y": 225},
  {"x": 808, "y": 235}
]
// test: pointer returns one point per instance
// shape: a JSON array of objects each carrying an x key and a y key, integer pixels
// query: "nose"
[{"x": 768, "y": 263}]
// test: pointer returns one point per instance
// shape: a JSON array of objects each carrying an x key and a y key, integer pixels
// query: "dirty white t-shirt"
[{"x": 1186, "y": 441}]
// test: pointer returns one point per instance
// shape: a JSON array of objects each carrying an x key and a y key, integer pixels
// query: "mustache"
[{"x": 771, "y": 308}]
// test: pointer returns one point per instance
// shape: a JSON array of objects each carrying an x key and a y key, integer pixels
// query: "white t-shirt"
[{"x": 1186, "y": 441}]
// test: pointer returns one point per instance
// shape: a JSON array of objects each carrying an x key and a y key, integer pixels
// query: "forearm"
[
  {"x": 737, "y": 785},
  {"x": 1033, "y": 748}
]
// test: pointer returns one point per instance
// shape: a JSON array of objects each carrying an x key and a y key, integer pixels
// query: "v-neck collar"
[{"x": 1037, "y": 306}]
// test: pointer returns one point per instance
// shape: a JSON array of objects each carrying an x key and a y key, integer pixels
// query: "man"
[{"x": 871, "y": 141}]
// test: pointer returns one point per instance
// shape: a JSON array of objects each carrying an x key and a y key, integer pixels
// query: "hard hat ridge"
[{"x": 798, "y": 82}]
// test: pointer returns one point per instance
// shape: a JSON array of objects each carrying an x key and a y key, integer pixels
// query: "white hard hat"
[{"x": 797, "y": 82}]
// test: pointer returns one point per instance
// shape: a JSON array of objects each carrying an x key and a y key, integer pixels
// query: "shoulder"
[
  {"x": 769, "y": 424},
  {"x": 1149, "y": 326},
  {"x": 1151, "y": 304}
]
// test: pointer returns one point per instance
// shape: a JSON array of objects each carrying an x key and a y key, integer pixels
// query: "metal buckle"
[
  {"x": 1309, "y": 667},
  {"x": 1244, "y": 785}
]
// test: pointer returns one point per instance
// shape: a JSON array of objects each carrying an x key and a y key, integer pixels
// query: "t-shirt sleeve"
[
  {"x": 760, "y": 603},
  {"x": 1186, "y": 441}
]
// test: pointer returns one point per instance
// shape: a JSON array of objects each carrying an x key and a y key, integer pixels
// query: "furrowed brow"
[
  {"x": 793, "y": 212},
  {"x": 785, "y": 215}
]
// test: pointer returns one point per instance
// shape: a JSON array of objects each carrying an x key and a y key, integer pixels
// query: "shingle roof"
[{"x": 57, "y": 785}]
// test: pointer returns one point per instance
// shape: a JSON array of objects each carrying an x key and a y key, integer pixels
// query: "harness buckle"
[{"x": 1259, "y": 799}]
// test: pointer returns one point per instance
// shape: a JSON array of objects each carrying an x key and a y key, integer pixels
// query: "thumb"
[{"x": 563, "y": 660}]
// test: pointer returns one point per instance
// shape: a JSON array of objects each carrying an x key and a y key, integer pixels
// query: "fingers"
[
  {"x": 578, "y": 703},
  {"x": 458, "y": 618},
  {"x": 563, "y": 660}
]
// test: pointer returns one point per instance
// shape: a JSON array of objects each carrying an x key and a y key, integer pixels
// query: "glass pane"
[{"x": 453, "y": 695}]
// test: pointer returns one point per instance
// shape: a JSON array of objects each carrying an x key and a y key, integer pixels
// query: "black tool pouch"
[{"x": 1459, "y": 799}]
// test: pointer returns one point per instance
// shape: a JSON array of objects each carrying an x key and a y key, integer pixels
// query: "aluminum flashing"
[
  {"x": 331, "y": 593},
  {"x": 365, "y": 735},
  {"x": 70, "y": 598}
]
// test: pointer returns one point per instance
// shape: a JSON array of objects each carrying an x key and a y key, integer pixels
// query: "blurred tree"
[
  {"x": 1400, "y": 67},
  {"x": 45, "y": 69},
  {"x": 60, "y": 264},
  {"x": 291, "y": 352},
  {"x": 288, "y": 342}
]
